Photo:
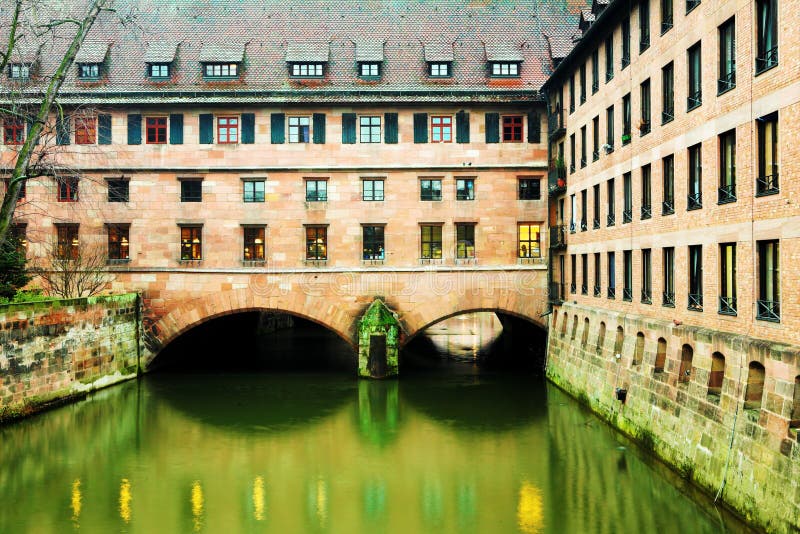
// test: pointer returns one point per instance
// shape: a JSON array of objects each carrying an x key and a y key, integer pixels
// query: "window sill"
[
  {"x": 764, "y": 69},
  {"x": 190, "y": 263},
  {"x": 120, "y": 261},
  {"x": 693, "y": 106},
  {"x": 531, "y": 261},
  {"x": 767, "y": 193},
  {"x": 316, "y": 263},
  {"x": 431, "y": 261},
  {"x": 253, "y": 263},
  {"x": 728, "y": 89},
  {"x": 370, "y": 263},
  {"x": 220, "y": 78},
  {"x": 466, "y": 261}
]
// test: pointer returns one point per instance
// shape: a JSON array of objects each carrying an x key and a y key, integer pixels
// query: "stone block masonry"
[
  {"x": 720, "y": 408},
  {"x": 54, "y": 351}
]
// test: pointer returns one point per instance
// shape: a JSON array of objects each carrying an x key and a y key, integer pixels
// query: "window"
[
  {"x": 727, "y": 279},
  {"x": 220, "y": 70},
  {"x": 307, "y": 70},
  {"x": 85, "y": 130},
  {"x": 465, "y": 189},
  {"x": 596, "y": 138},
  {"x": 668, "y": 93},
  {"x": 644, "y": 26},
  {"x": 597, "y": 274},
  {"x": 584, "y": 274},
  {"x": 647, "y": 276},
  {"x": 610, "y": 193},
  {"x": 118, "y": 190},
  {"x": 158, "y": 70},
  {"x": 439, "y": 70},
  {"x": 67, "y": 244},
  {"x": 610, "y": 129},
  {"x": 644, "y": 107},
  {"x": 253, "y": 191},
  {"x": 666, "y": 16},
  {"x": 88, "y": 71},
  {"x": 573, "y": 274},
  {"x": 668, "y": 185},
  {"x": 767, "y": 34},
  {"x": 626, "y": 43},
  {"x": 572, "y": 153},
  {"x": 13, "y": 132},
  {"x": 582, "y": 74},
  {"x": 767, "y": 180},
  {"x": 316, "y": 243},
  {"x": 627, "y": 281},
  {"x": 691, "y": 4},
  {"x": 595, "y": 70},
  {"x": 430, "y": 189},
  {"x": 596, "y": 201},
  {"x": 441, "y": 129},
  {"x": 612, "y": 274},
  {"x": 583, "y": 146},
  {"x": 19, "y": 71},
  {"x": 768, "y": 306},
  {"x": 370, "y": 129},
  {"x": 626, "y": 119},
  {"x": 668, "y": 263},
  {"x": 23, "y": 189},
  {"x": 118, "y": 242},
  {"x": 727, "y": 56},
  {"x": 584, "y": 225},
  {"x": 369, "y": 70},
  {"x": 316, "y": 190},
  {"x": 19, "y": 233},
  {"x": 465, "y": 241},
  {"x": 627, "y": 194},
  {"x": 573, "y": 214},
  {"x": 685, "y": 370},
  {"x": 372, "y": 190},
  {"x": 647, "y": 209},
  {"x": 696, "y": 277},
  {"x": 372, "y": 243},
  {"x": 431, "y": 242},
  {"x": 512, "y": 128},
  {"x": 156, "y": 129},
  {"x": 191, "y": 243},
  {"x": 694, "y": 200},
  {"x": 727, "y": 167},
  {"x": 505, "y": 69},
  {"x": 191, "y": 190},
  {"x": 528, "y": 241},
  {"x": 529, "y": 189},
  {"x": 695, "y": 97},
  {"x": 609, "y": 58},
  {"x": 572, "y": 93},
  {"x": 254, "y": 242},
  {"x": 300, "y": 129},
  {"x": 67, "y": 189},
  {"x": 227, "y": 130}
]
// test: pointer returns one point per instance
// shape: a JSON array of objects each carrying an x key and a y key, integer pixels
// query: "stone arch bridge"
[{"x": 412, "y": 299}]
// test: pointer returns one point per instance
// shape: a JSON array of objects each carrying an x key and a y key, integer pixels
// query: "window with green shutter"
[
  {"x": 277, "y": 125},
  {"x": 390, "y": 131},
  {"x": 462, "y": 127},
  {"x": 176, "y": 129},
  {"x": 206, "y": 128},
  {"x": 104, "y": 129},
  {"x": 63, "y": 130},
  {"x": 348, "y": 128},
  {"x": 318, "y": 133},
  {"x": 135, "y": 129},
  {"x": 420, "y": 127},
  {"x": 248, "y": 128},
  {"x": 534, "y": 128},
  {"x": 492, "y": 127}
]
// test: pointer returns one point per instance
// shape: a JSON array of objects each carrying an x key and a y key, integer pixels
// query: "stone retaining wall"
[
  {"x": 55, "y": 350},
  {"x": 686, "y": 414}
]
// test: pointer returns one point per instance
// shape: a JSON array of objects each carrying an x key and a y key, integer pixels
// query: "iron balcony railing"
[
  {"x": 647, "y": 296},
  {"x": 597, "y": 291},
  {"x": 768, "y": 310},
  {"x": 727, "y": 305},
  {"x": 627, "y": 216},
  {"x": 666, "y": 25},
  {"x": 694, "y": 202},
  {"x": 647, "y": 211},
  {"x": 573, "y": 288},
  {"x": 726, "y": 194},
  {"x": 595, "y": 155},
  {"x": 644, "y": 129},
  {"x": 767, "y": 185},
  {"x": 668, "y": 115},
  {"x": 572, "y": 227},
  {"x": 668, "y": 299},
  {"x": 611, "y": 292},
  {"x": 610, "y": 219},
  {"x": 694, "y": 100},
  {"x": 627, "y": 294},
  {"x": 584, "y": 226},
  {"x": 691, "y": 4},
  {"x": 695, "y": 302},
  {"x": 596, "y": 223},
  {"x": 668, "y": 207},
  {"x": 727, "y": 82},
  {"x": 558, "y": 237},
  {"x": 768, "y": 60},
  {"x": 584, "y": 289},
  {"x": 555, "y": 293},
  {"x": 595, "y": 87}
]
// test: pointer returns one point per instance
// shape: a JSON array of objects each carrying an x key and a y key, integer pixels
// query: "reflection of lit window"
[
  {"x": 316, "y": 242},
  {"x": 431, "y": 240},
  {"x": 373, "y": 243},
  {"x": 254, "y": 244},
  {"x": 528, "y": 242},
  {"x": 191, "y": 242},
  {"x": 118, "y": 245}
]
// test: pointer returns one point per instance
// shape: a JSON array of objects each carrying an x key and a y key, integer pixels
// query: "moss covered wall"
[
  {"x": 683, "y": 422},
  {"x": 54, "y": 350}
]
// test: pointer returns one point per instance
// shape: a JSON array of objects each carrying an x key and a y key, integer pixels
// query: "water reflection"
[{"x": 460, "y": 454}]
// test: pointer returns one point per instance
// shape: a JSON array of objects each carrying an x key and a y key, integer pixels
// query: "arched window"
[
  {"x": 585, "y": 336},
  {"x": 554, "y": 325},
  {"x": 638, "y": 354},
  {"x": 564, "y": 325},
  {"x": 574, "y": 327},
  {"x": 601, "y": 338},
  {"x": 795, "y": 421},
  {"x": 618, "y": 342},
  {"x": 716, "y": 376},
  {"x": 685, "y": 372},
  {"x": 755, "y": 387},
  {"x": 661, "y": 356}
]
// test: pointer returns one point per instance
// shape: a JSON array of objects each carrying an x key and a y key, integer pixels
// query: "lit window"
[
  {"x": 767, "y": 179},
  {"x": 372, "y": 190},
  {"x": 13, "y": 132},
  {"x": 512, "y": 128},
  {"x": 68, "y": 189},
  {"x": 158, "y": 70},
  {"x": 528, "y": 241},
  {"x": 299, "y": 129},
  {"x": 220, "y": 70},
  {"x": 465, "y": 189},
  {"x": 85, "y": 130},
  {"x": 191, "y": 243},
  {"x": 309, "y": 70},
  {"x": 228, "y": 130},
  {"x": 370, "y": 129},
  {"x": 439, "y": 69},
  {"x": 431, "y": 242},
  {"x": 316, "y": 190},
  {"x": 254, "y": 248},
  {"x": 67, "y": 242},
  {"x": 254, "y": 191},
  {"x": 505, "y": 69},
  {"x": 430, "y": 189},
  {"x": 89, "y": 71},
  {"x": 441, "y": 129},
  {"x": 156, "y": 130},
  {"x": 373, "y": 244},
  {"x": 465, "y": 241},
  {"x": 19, "y": 71},
  {"x": 369, "y": 69},
  {"x": 118, "y": 242},
  {"x": 316, "y": 242}
]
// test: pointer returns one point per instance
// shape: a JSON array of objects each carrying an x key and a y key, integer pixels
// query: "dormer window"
[
  {"x": 369, "y": 70},
  {"x": 19, "y": 71},
  {"x": 502, "y": 68},
  {"x": 88, "y": 71},
  {"x": 307, "y": 70},
  {"x": 221, "y": 62},
  {"x": 439, "y": 70},
  {"x": 220, "y": 70},
  {"x": 158, "y": 70}
]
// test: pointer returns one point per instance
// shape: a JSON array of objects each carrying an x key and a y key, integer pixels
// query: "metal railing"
[
  {"x": 727, "y": 82},
  {"x": 627, "y": 294},
  {"x": 668, "y": 299},
  {"x": 727, "y": 305},
  {"x": 627, "y": 216},
  {"x": 558, "y": 236},
  {"x": 767, "y": 185},
  {"x": 647, "y": 211},
  {"x": 695, "y": 302},
  {"x": 694, "y": 202},
  {"x": 610, "y": 219},
  {"x": 647, "y": 296},
  {"x": 768, "y": 60},
  {"x": 611, "y": 292},
  {"x": 668, "y": 207},
  {"x": 768, "y": 310},
  {"x": 694, "y": 100},
  {"x": 726, "y": 194}
]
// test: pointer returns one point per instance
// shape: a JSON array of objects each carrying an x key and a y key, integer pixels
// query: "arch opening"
[
  {"x": 755, "y": 386},
  {"x": 685, "y": 371},
  {"x": 256, "y": 341},
  {"x": 716, "y": 377},
  {"x": 661, "y": 356},
  {"x": 638, "y": 353},
  {"x": 795, "y": 420}
]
